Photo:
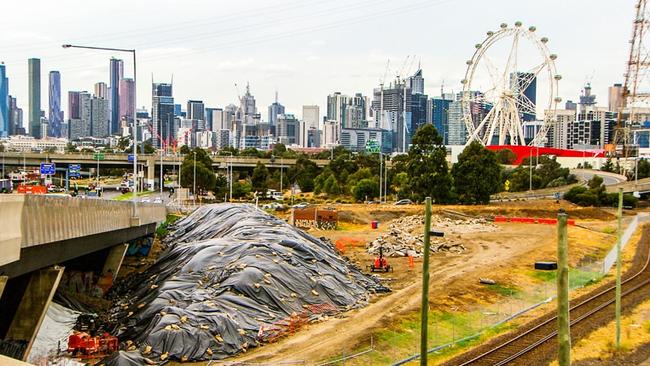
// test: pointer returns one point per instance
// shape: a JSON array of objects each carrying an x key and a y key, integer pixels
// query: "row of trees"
[{"x": 420, "y": 173}]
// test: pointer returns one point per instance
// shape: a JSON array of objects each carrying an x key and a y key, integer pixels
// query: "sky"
[{"x": 303, "y": 49}]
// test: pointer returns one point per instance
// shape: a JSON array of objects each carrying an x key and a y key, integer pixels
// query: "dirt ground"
[{"x": 505, "y": 256}]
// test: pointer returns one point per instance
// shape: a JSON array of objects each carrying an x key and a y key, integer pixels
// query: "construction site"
[{"x": 230, "y": 284}]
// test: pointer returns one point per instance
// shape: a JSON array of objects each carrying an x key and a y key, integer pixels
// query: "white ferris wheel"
[{"x": 510, "y": 75}]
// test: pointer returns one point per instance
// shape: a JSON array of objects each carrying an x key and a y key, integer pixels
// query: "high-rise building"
[
  {"x": 440, "y": 116},
  {"x": 99, "y": 117},
  {"x": 311, "y": 116},
  {"x": 457, "y": 134},
  {"x": 348, "y": 112},
  {"x": 524, "y": 85},
  {"x": 196, "y": 110},
  {"x": 416, "y": 82},
  {"x": 615, "y": 100},
  {"x": 74, "y": 110},
  {"x": 288, "y": 130},
  {"x": 15, "y": 118},
  {"x": 587, "y": 100},
  {"x": 117, "y": 74},
  {"x": 5, "y": 127},
  {"x": 127, "y": 99},
  {"x": 79, "y": 113},
  {"x": 102, "y": 90},
  {"x": 34, "y": 71},
  {"x": 248, "y": 102},
  {"x": 162, "y": 113},
  {"x": 397, "y": 112},
  {"x": 55, "y": 115},
  {"x": 275, "y": 109}
]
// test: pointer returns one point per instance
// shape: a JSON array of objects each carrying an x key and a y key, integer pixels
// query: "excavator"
[{"x": 380, "y": 263}]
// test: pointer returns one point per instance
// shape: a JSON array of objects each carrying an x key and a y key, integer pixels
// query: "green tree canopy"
[
  {"x": 205, "y": 177},
  {"x": 303, "y": 173},
  {"x": 259, "y": 180},
  {"x": 506, "y": 157},
  {"x": 477, "y": 174},
  {"x": 366, "y": 189},
  {"x": 427, "y": 167}
]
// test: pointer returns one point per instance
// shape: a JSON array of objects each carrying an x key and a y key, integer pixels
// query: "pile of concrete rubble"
[{"x": 405, "y": 235}]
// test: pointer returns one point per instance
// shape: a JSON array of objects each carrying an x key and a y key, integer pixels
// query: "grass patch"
[
  {"x": 577, "y": 278},
  {"x": 402, "y": 339},
  {"x": 609, "y": 230},
  {"x": 504, "y": 290},
  {"x": 162, "y": 230},
  {"x": 129, "y": 195}
]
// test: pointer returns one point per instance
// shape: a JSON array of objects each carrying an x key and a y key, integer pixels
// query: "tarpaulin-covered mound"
[{"x": 233, "y": 277}]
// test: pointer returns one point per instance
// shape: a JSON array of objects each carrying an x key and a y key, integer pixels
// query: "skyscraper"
[
  {"x": 196, "y": 110},
  {"x": 615, "y": 100},
  {"x": 311, "y": 116},
  {"x": 117, "y": 74},
  {"x": 73, "y": 105},
  {"x": 101, "y": 90},
  {"x": 5, "y": 127},
  {"x": 162, "y": 113},
  {"x": 15, "y": 118},
  {"x": 416, "y": 82},
  {"x": 275, "y": 109},
  {"x": 99, "y": 118},
  {"x": 34, "y": 71},
  {"x": 127, "y": 99},
  {"x": 55, "y": 115}
]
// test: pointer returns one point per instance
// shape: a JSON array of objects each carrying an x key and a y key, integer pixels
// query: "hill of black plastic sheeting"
[{"x": 231, "y": 278}]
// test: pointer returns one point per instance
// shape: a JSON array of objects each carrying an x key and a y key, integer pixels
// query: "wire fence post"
[
  {"x": 564, "y": 334},
  {"x": 618, "y": 268},
  {"x": 425, "y": 284}
]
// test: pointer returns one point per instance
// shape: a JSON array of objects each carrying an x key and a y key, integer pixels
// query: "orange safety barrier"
[
  {"x": 500, "y": 219},
  {"x": 571, "y": 222},
  {"x": 411, "y": 262},
  {"x": 547, "y": 221}
]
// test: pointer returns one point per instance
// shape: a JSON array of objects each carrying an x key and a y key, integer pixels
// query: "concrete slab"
[
  {"x": 114, "y": 259},
  {"x": 7, "y": 361},
  {"x": 33, "y": 306}
]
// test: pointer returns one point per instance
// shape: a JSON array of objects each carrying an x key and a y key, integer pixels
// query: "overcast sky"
[{"x": 304, "y": 49}]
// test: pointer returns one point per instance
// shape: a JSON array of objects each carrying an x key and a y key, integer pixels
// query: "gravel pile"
[{"x": 405, "y": 235}]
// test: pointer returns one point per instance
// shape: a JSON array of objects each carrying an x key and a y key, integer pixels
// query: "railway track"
[{"x": 533, "y": 343}]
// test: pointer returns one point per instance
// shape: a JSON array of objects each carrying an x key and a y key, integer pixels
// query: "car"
[
  {"x": 405, "y": 201},
  {"x": 157, "y": 200},
  {"x": 372, "y": 202},
  {"x": 301, "y": 205},
  {"x": 146, "y": 200}
]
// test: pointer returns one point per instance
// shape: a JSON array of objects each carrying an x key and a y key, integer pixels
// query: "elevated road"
[{"x": 122, "y": 160}]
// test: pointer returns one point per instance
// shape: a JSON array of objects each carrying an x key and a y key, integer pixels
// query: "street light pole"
[
  {"x": 194, "y": 178},
  {"x": 135, "y": 117}
]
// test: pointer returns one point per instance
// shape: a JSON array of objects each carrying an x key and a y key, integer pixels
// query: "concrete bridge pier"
[
  {"x": 151, "y": 172},
  {"x": 114, "y": 259},
  {"x": 32, "y": 306}
]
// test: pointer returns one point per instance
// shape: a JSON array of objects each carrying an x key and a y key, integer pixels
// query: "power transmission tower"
[{"x": 636, "y": 91}]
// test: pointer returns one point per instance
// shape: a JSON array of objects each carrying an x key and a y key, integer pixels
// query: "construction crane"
[{"x": 632, "y": 93}]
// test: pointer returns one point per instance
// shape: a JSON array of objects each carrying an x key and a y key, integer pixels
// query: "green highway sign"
[
  {"x": 372, "y": 146},
  {"x": 98, "y": 156}
]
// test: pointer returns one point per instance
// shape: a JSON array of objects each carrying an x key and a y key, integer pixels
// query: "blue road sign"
[
  {"x": 130, "y": 158},
  {"x": 74, "y": 170},
  {"x": 48, "y": 168}
]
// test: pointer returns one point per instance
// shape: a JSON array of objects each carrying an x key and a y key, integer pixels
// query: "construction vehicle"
[
  {"x": 83, "y": 345},
  {"x": 380, "y": 264}
]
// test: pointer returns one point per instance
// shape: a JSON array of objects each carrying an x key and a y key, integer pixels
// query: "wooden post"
[
  {"x": 564, "y": 332},
  {"x": 425, "y": 284},
  {"x": 618, "y": 268}
]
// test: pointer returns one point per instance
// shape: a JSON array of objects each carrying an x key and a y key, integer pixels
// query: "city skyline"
[{"x": 311, "y": 66}]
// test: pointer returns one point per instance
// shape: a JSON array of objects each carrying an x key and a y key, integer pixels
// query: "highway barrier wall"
[{"x": 30, "y": 220}]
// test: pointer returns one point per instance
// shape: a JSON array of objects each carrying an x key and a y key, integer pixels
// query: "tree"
[
  {"x": 184, "y": 150},
  {"x": 303, "y": 173},
  {"x": 366, "y": 189},
  {"x": 506, "y": 157},
  {"x": 427, "y": 167},
  {"x": 123, "y": 143},
  {"x": 260, "y": 177},
  {"x": 70, "y": 148},
  {"x": 643, "y": 169},
  {"x": 2, "y": 148},
  {"x": 608, "y": 166},
  {"x": 148, "y": 148},
  {"x": 279, "y": 149},
  {"x": 477, "y": 174},
  {"x": 205, "y": 177}
]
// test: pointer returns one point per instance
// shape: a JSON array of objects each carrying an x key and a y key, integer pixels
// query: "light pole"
[
  {"x": 281, "y": 170},
  {"x": 135, "y": 118},
  {"x": 194, "y": 178},
  {"x": 162, "y": 181}
]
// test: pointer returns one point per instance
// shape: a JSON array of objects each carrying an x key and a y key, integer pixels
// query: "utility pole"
[
  {"x": 194, "y": 178},
  {"x": 530, "y": 170},
  {"x": 424, "y": 317},
  {"x": 564, "y": 332},
  {"x": 162, "y": 181},
  {"x": 619, "y": 215},
  {"x": 381, "y": 126}
]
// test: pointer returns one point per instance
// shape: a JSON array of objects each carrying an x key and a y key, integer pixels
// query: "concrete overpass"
[
  {"x": 41, "y": 235},
  {"x": 122, "y": 160},
  {"x": 642, "y": 186}
]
